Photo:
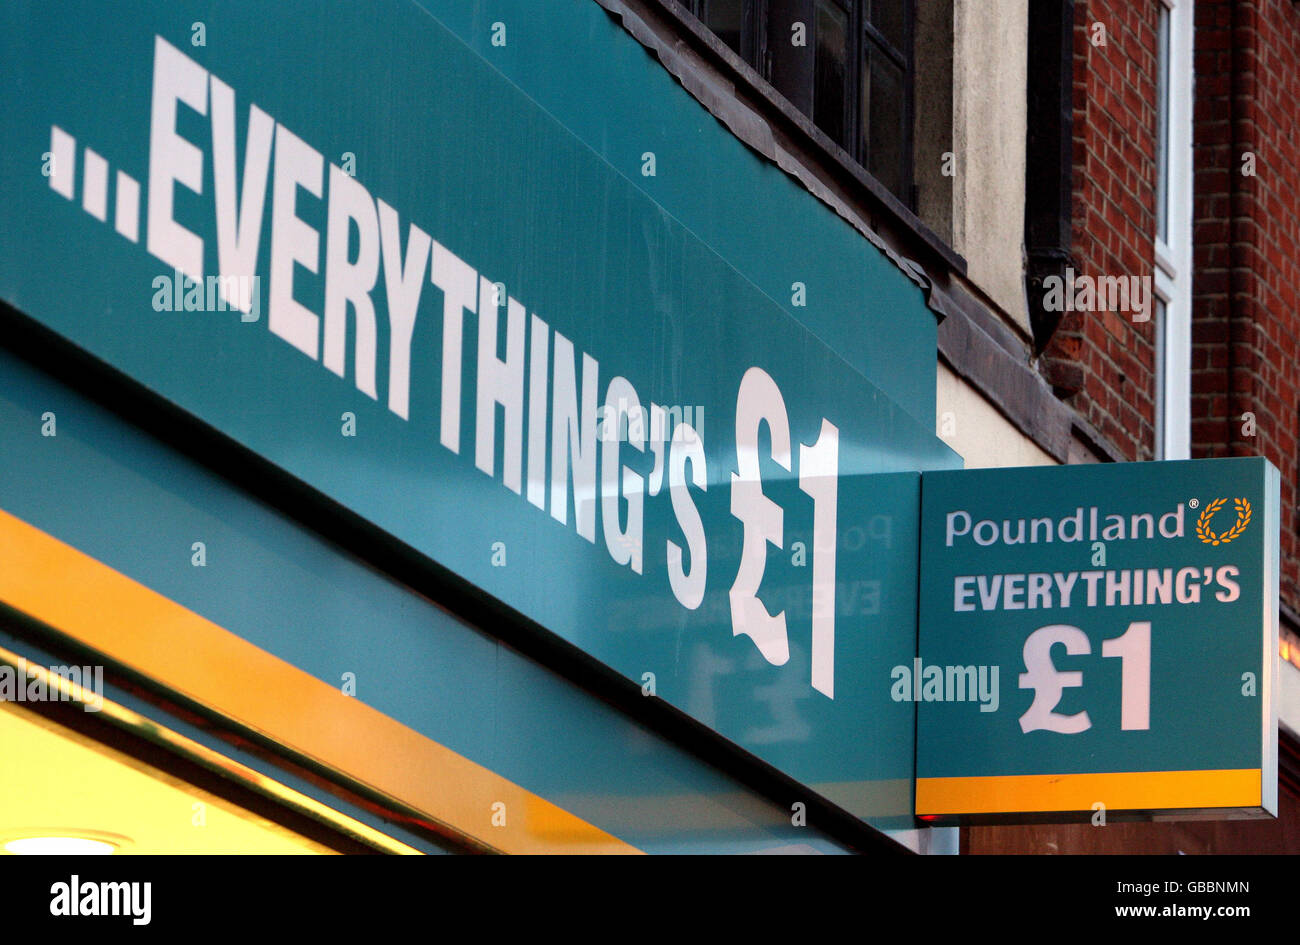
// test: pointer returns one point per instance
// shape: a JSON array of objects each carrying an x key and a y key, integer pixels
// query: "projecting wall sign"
[
  {"x": 1097, "y": 639},
  {"x": 425, "y": 298}
]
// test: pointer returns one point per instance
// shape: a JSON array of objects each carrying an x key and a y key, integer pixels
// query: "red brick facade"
[
  {"x": 1103, "y": 362},
  {"x": 1246, "y": 236},
  {"x": 1246, "y": 243},
  {"x": 1245, "y": 326},
  {"x": 1273, "y": 837}
]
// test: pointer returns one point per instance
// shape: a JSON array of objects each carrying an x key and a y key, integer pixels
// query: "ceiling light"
[{"x": 59, "y": 846}]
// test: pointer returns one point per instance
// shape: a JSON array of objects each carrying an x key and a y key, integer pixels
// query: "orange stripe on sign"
[
  {"x": 139, "y": 628},
  {"x": 1124, "y": 790}
]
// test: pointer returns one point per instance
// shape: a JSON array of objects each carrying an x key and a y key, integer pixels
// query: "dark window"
[
  {"x": 883, "y": 131},
  {"x": 726, "y": 18},
  {"x": 831, "y": 66},
  {"x": 846, "y": 64}
]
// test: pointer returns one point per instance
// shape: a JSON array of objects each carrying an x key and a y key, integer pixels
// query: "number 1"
[
  {"x": 1134, "y": 651},
  {"x": 819, "y": 468}
]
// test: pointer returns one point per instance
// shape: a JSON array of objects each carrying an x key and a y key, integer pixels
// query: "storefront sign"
[
  {"x": 416, "y": 292},
  {"x": 1097, "y": 639}
]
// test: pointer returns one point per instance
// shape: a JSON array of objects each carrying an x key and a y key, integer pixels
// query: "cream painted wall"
[
  {"x": 1288, "y": 702},
  {"x": 989, "y": 128},
  {"x": 975, "y": 429}
]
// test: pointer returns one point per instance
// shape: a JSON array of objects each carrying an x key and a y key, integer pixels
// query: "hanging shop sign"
[
  {"x": 419, "y": 294},
  {"x": 1097, "y": 639}
]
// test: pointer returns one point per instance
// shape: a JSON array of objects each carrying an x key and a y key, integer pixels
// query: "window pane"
[
  {"x": 830, "y": 68},
  {"x": 888, "y": 16},
  {"x": 1162, "y": 128},
  {"x": 882, "y": 119},
  {"x": 724, "y": 18},
  {"x": 1162, "y": 377}
]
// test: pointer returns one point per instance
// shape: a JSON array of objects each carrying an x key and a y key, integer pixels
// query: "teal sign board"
[
  {"x": 342, "y": 238},
  {"x": 1097, "y": 638},
  {"x": 493, "y": 705}
]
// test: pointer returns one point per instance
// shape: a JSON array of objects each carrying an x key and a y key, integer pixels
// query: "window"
[
  {"x": 1160, "y": 307},
  {"x": 831, "y": 70},
  {"x": 1173, "y": 236},
  {"x": 885, "y": 103},
  {"x": 846, "y": 64},
  {"x": 731, "y": 21}
]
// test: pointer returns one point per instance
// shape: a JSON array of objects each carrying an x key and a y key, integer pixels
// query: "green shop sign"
[
  {"x": 342, "y": 238},
  {"x": 1097, "y": 639}
]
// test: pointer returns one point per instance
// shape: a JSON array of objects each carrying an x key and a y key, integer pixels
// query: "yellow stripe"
[
  {"x": 1124, "y": 790},
  {"x": 139, "y": 628},
  {"x": 212, "y": 760}
]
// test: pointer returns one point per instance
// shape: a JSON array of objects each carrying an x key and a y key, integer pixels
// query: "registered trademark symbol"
[{"x": 1194, "y": 503}]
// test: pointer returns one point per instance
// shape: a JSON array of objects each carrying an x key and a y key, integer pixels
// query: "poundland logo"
[
  {"x": 1086, "y": 524},
  {"x": 102, "y": 899}
]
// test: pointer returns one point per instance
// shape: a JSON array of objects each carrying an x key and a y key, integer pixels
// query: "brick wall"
[
  {"x": 1102, "y": 362},
  {"x": 1245, "y": 326},
  {"x": 1246, "y": 236},
  {"x": 1246, "y": 242},
  {"x": 1234, "y": 838}
]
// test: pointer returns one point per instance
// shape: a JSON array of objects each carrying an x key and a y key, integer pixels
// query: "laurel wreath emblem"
[{"x": 1207, "y": 535}]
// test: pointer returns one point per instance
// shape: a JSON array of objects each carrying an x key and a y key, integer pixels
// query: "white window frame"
[{"x": 1173, "y": 270}]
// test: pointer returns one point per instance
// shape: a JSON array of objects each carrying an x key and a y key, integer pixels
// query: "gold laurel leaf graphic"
[{"x": 1210, "y": 537}]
